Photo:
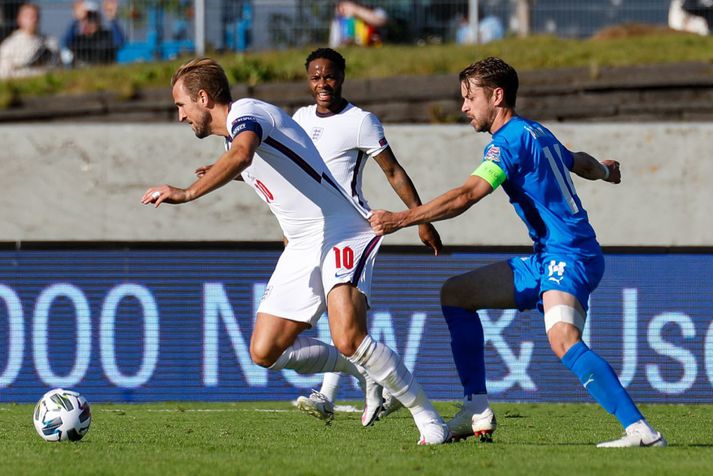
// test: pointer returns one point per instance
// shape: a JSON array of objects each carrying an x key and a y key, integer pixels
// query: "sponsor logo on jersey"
[
  {"x": 383, "y": 142},
  {"x": 316, "y": 133},
  {"x": 493, "y": 154}
]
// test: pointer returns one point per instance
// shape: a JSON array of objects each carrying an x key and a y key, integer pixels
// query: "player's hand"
[
  {"x": 165, "y": 194},
  {"x": 430, "y": 237},
  {"x": 614, "y": 171},
  {"x": 383, "y": 222}
]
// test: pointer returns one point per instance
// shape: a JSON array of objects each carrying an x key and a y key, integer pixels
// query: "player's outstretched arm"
[
  {"x": 450, "y": 204},
  {"x": 590, "y": 168},
  {"x": 226, "y": 168},
  {"x": 406, "y": 190},
  {"x": 200, "y": 172}
]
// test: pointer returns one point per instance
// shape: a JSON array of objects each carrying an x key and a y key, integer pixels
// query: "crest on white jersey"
[{"x": 316, "y": 133}]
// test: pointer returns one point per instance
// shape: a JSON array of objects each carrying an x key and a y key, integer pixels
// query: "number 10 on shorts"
[{"x": 344, "y": 257}]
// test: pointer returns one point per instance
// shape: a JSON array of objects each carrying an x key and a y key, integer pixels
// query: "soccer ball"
[{"x": 62, "y": 415}]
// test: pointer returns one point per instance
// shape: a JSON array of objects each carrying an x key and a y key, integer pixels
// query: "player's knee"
[
  {"x": 564, "y": 326},
  {"x": 558, "y": 347},
  {"x": 262, "y": 353},
  {"x": 346, "y": 346}
]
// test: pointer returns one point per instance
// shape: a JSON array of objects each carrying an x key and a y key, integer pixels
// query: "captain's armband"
[{"x": 491, "y": 173}]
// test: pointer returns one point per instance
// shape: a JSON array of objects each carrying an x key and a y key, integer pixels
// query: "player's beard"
[
  {"x": 481, "y": 126},
  {"x": 201, "y": 127},
  {"x": 481, "y": 123}
]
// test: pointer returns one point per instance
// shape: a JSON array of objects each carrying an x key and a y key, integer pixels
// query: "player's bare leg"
[
  {"x": 276, "y": 343},
  {"x": 564, "y": 319},
  {"x": 271, "y": 336},
  {"x": 347, "y": 319},
  {"x": 489, "y": 287}
]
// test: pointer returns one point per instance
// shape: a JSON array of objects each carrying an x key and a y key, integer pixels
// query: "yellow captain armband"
[{"x": 491, "y": 173}]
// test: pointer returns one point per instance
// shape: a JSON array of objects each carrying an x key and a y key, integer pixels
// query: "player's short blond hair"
[{"x": 204, "y": 74}]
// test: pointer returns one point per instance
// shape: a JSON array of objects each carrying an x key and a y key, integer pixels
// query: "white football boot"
[
  {"x": 637, "y": 434},
  {"x": 316, "y": 405},
  {"x": 434, "y": 432},
  {"x": 373, "y": 400},
  {"x": 390, "y": 405},
  {"x": 465, "y": 424}
]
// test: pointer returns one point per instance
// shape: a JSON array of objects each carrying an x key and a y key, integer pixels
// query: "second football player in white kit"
[{"x": 347, "y": 137}]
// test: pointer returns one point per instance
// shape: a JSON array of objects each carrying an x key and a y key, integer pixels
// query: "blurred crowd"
[
  {"x": 95, "y": 34},
  {"x": 693, "y": 16},
  {"x": 371, "y": 25},
  {"x": 93, "y": 37}
]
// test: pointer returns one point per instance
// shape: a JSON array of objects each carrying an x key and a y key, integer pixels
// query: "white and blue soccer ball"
[{"x": 62, "y": 415}]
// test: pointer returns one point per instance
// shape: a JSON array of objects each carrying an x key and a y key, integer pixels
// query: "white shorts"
[{"x": 307, "y": 272}]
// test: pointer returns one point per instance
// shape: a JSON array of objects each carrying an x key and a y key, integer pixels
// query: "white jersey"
[
  {"x": 288, "y": 173},
  {"x": 345, "y": 141}
]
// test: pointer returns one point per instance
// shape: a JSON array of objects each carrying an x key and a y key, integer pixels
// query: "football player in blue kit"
[{"x": 566, "y": 266}]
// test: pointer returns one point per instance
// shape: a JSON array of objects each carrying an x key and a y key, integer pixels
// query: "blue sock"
[
  {"x": 467, "y": 345},
  {"x": 602, "y": 383}
]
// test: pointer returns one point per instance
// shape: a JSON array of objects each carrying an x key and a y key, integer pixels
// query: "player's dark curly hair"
[
  {"x": 492, "y": 73},
  {"x": 205, "y": 74},
  {"x": 330, "y": 54}
]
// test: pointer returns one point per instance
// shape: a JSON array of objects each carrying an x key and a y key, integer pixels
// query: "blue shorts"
[{"x": 535, "y": 274}]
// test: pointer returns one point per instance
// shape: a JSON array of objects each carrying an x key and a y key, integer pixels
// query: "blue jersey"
[{"x": 540, "y": 188}]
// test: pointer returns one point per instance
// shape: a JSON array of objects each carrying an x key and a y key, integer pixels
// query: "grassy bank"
[{"x": 525, "y": 54}]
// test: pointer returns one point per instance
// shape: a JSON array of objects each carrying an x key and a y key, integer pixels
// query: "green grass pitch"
[{"x": 265, "y": 438}]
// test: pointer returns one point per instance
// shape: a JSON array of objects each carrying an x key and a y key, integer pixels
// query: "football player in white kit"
[
  {"x": 346, "y": 138},
  {"x": 330, "y": 252}
]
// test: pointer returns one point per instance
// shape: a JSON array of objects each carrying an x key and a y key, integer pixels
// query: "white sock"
[
  {"x": 330, "y": 384},
  {"x": 476, "y": 403},
  {"x": 386, "y": 367},
  {"x": 307, "y": 355}
]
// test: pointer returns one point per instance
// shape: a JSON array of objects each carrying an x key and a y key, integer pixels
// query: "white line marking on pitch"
[{"x": 338, "y": 408}]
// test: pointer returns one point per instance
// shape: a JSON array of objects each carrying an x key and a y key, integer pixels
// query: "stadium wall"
[
  {"x": 160, "y": 322},
  {"x": 82, "y": 182}
]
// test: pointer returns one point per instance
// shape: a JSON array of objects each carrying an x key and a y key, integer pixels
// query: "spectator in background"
[
  {"x": 86, "y": 40},
  {"x": 693, "y": 16},
  {"x": 490, "y": 28},
  {"x": 26, "y": 52},
  {"x": 354, "y": 24},
  {"x": 8, "y": 14}
]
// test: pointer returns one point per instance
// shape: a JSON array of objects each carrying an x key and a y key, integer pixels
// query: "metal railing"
[{"x": 161, "y": 29}]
